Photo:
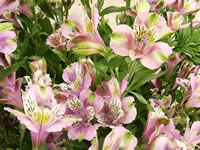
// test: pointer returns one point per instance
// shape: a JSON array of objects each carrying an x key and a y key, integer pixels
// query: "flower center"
[{"x": 42, "y": 115}]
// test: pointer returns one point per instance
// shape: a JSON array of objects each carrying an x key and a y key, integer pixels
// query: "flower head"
[{"x": 140, "y": 43}]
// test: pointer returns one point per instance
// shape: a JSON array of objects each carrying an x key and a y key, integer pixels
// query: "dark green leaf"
[
  {"x": 112, "y": 9},
  {"x": 115, "y": 62},
  {"x": 12, "y": 69}
]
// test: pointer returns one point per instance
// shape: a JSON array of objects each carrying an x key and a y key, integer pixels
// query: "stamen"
[
  {"x": 115, "y": 107},
  {"x": 90, "y": 113},
  {"x": 75, "y": 104}
]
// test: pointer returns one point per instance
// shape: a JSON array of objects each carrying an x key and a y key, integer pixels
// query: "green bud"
[{"x": 88, "y": 48}]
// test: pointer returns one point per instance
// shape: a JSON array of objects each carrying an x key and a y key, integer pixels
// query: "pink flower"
[
  {"x": 172, "y": 62},
  {"x": 140, "y": 43},
  {"x": 154, "y": 119},
  {"x": 83, "y": 31},
  {"x": 76, "y": 78},
  {"x": 42, "y": 120},
  {"x": 8, "y": 5},
  {"x": 14, "y": 5},
  {"x": 10, "y": 8},
  {"x": 57, "y": 40},
  {"x": 191, "y": 136},
  {"x": 10, "y": 90},
  {"x": 193, "y": 90},
  {"x": 41, "y": 88},
  {"x": 164, "y": 129},
  {"x": 38, "y": 65},
  {"x": 117, "y": 110},
  {"x": 120, "y": 138},
  {"x": 187, "y": 6},
  {"x": 196, "y": 20},
  {"x": 7, "y": 42},
  {"x": 85, "y": 107},
  {"x": 175, "y": 21}
]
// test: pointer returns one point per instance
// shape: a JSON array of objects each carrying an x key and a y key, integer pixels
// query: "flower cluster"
[{"x": 73, "y": 81}]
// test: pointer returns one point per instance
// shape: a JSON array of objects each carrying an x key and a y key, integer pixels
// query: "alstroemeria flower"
[
  {"x": 166, "y": 142},
  {"x": 175, "y": 21},
  {"x": 163, "y": 132},
  {"x": 83, "y": 31},
  {"x": 191, "y": 136},
  {"x": 193, "y": 90},
  {"x": 85, "y": 107},
  {"x": 117, "y": 110},
  {"x": 10, "y": 90},
  {"x": 14, "y": 5},
  {"x": 154, "y": 119},
  {"x": 8, "y": 5},
  {"x": 38, "y": 65},
  {"x": 187, "y": 6},
  {"x": 90, "y": 69},
  {"x": 10, "y": 8},
  {"x": 172, "y": 62},
  {"x": 76, "y": 78},
  {"x": 120, "y": 138},
  {"x": 7, "y": 42},
  {"x": 41, "y": 88},
  {"x": 140, "y": 42},
  {"x": 196, "y": 20},
  {"x": 57, "y": 40},
  {"x": 41, "y": 120}
]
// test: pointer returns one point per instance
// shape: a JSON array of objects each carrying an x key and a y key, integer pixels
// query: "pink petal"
[
  {"x": 129, "y": 110},
  {"x": 23, "y": 119},
  {"x": 84, "y": 131},
  {"x": 123, "y": 46},
  {"x": 120, "y": 138},
  {"x": 90, "y": 98},
  {"x": 123, "y": 84},
  {"x": 152, "y": 61}
]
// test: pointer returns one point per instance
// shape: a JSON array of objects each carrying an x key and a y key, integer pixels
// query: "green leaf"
[
  {"x": 60, "y": 54},
  {"x": 46, "y": 25},
  {"x": 100, "y": 4},
  {"x": 112, "y": 9},
  {"x": 115, "y": 62},
  {"x": 46, "y": 9},
  {"x": 102, "y": 68},
  {"x": 139, "y": 97},
  {"x": 142, "y": 100},
  {"x": 147, "y": 79},
  {"x": 12, "y": 69}
]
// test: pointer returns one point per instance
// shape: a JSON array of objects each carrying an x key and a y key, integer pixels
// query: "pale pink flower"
[
  {"x": 38, "y": 65},
  {"x": 196, "y": 20},
  {"x": 41, "y": 120},
  {"x": 76, "y": 78},
  {"x": 7, "y": 42},
  {"x": 10, "y": 90},
  {"x": 120, "y": 138},
  {"x": 57, "y": 40},
  {"x": 175, "y": 21},
  {"x": 191, "y": 136},
  {"x": 82, "y": 30},
  {"x": 140, "y": 42},
  {"x": 85, "y": 107},
  {"x": 117, "y": 110},
  {"x": 154, "y": 119}
]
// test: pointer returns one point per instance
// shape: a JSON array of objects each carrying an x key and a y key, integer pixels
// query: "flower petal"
[
  {"x": 121, "y": 40},
  {"x": 157, "y": 56}
]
